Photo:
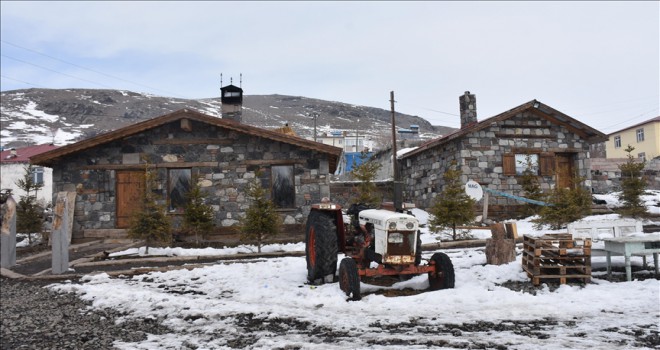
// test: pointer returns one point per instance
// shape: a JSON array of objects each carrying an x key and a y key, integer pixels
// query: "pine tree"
[
  {"x": 530, "y": 185},
  {"x": 452, "y": 206},
  {"x": 151, "y": 222},
  {"x": 29, "y": 215},
  {"x": 632, "y": 186},
  {"x": 365, "y": 173},
  {"x": 197, "y": 216},
  {"x": 566, "y": 205},
  {"x": 260, "y": 220}
]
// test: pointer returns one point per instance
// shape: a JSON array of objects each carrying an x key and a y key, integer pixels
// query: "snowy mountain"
[{"x": 62, "y": 116}]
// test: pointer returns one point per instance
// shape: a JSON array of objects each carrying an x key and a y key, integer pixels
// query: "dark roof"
[
  {"x": 51, "y": 157},
  {"x": 656, "y": 119},
  {"x": 23, "y": 154},
  {"x": 542, "y": 110},
  {"x": 231, "y": 87}
]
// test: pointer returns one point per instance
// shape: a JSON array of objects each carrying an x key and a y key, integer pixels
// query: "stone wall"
[
  {"x": 223, "y": 162},
  {"x": 342, "y": 192},
  {"x": 480, "y": 157},
  {"x": 606, "y": 176}
]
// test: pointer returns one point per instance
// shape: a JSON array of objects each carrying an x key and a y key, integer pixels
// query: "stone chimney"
[{"x": 468, "y": 103}]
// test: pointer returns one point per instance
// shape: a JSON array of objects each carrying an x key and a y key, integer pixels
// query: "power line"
[
  {"x": 54, "y": 71},
  {"x": 639, "y": 116},
  {"x": 89, "y": 69},
  {"x": 21, "y": 81}
]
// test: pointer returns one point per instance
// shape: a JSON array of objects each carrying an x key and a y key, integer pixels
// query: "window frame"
[
  {"x": 521, "y": 165},
  {"x": 641, "y": 156},
  {"x": 37, "y": 174},
  {"x": 284, "y": 194},
  {"x": 176, "y": 203},
  {"x": 640, "y": 134},
  {"x": 617, "y": 141}
]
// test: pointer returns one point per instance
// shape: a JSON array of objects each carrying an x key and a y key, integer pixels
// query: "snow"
[{"x": 203, "y": 306}]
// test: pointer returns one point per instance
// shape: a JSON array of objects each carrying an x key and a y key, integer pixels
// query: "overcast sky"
[{"x": 595, "y": 61}]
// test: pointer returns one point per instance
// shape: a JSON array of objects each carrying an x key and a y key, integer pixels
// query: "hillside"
[{"x": 36, "y": 116}]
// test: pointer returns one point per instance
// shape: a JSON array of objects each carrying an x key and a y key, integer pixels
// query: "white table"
[{"x": 637, "y": 245}]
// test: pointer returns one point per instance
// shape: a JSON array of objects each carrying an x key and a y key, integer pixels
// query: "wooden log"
[
  {"x": 501, "y": 251},
  {"x": 498, "y": 231},
  {"x": 8, "y": 234}
]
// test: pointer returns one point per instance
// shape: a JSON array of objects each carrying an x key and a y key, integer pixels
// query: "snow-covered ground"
[{"x": 265, "y": 304}]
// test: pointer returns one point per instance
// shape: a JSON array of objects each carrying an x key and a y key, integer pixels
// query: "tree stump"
[
  {"x": 500, "y": 249},
  {"x": 8, "y": 233}
]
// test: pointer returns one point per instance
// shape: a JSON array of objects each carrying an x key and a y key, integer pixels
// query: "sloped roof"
[
  {"x": 542, "y": 110},
  {"x": 23, "y": 154},
  {"x": 51, "y": 157},
  {"x": 656, "y": 120}
]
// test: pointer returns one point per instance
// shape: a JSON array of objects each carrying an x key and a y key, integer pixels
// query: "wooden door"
[
  {"x": 564, "y": 170},
  {"x": 130, "y": 187}
]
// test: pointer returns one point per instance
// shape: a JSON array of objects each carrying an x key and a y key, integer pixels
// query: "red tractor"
[{"x": 387, "y": 238}]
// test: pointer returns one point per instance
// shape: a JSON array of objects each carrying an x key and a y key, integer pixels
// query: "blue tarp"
[{"x": 355, "y": 158}]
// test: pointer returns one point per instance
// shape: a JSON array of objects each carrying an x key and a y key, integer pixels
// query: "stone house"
[
  {"x": 494, "y": 152},
  {"x": 221, "y": 154}
]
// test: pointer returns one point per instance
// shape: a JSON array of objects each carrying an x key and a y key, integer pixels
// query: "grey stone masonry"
[
  {"x": 468, "y": 105},
  {"x": 221, "y": 160},
  {"x": 480, "y": 155}
]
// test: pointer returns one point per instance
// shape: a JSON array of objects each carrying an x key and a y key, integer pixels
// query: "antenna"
[
  {"x": 220, "y": 79},
  {"x": 231, "y": 81},
  {"x": 240, "y": 84}
]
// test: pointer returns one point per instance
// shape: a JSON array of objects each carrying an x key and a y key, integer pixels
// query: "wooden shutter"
[
  {"x": 547, "y": 164},
  {"x": 509, "y": 164}
]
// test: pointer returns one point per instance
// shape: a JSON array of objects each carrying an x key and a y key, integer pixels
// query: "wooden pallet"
[{"x": 557, "y": 257}]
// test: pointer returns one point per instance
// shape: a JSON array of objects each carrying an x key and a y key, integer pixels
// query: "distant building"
[
  {"x": 348, "y": 141},
  {"x": 411, "y": 133},
  {"x": 644, "y": 137},
  {"x": 12, "y": 167}
]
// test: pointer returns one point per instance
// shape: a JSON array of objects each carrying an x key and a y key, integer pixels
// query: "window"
[
  {"x": 178, "y": 187},
  {"x": 232, "y": 94},
  {"x": 642, "y": 156},
  {"x": 540, "y": 163},
  {"x": 640, "y": 135},
  {"x": 284, "y": 191},
  {"x": 527, "y": 161},
  {"x": 617, "y": 141},
  {"x": 38, "y": 175}
]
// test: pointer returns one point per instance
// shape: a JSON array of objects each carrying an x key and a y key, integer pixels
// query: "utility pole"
[
  {"x": 357, "y": 127},
  {"x": 398, "y": 185},
  {"x": 315, "y": 115}
]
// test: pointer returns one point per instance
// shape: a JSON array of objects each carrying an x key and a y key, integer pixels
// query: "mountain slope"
[{"x": 36, "y": 116}]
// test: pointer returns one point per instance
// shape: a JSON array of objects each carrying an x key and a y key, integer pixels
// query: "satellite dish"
[{"x": 474, "y": 190}]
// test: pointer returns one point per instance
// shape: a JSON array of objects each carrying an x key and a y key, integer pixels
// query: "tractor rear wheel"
[
  {"x": 320, "y": 245},
  {"x": 443, "y": 277},
  {"x": 349, "y": 280}
]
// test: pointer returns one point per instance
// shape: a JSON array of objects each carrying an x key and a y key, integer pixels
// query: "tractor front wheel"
[
  {"x": 349, "y": 280},
  {"x": 443, "y": 277}
]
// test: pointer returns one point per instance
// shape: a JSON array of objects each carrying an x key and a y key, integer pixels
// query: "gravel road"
[{"x": 34, "y": 317}]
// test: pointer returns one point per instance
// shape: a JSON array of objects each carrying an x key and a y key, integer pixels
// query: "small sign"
[{"x": 474, "y": 190}]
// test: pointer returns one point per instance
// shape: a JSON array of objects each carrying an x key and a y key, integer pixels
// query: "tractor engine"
[{"x": 394, "y": 236}]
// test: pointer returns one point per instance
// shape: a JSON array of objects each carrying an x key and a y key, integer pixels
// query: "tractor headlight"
[
  {"x": 395, "y": 238},
  {"x": 392, "y": 225},
  {"x": 410, "y": 225}
]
